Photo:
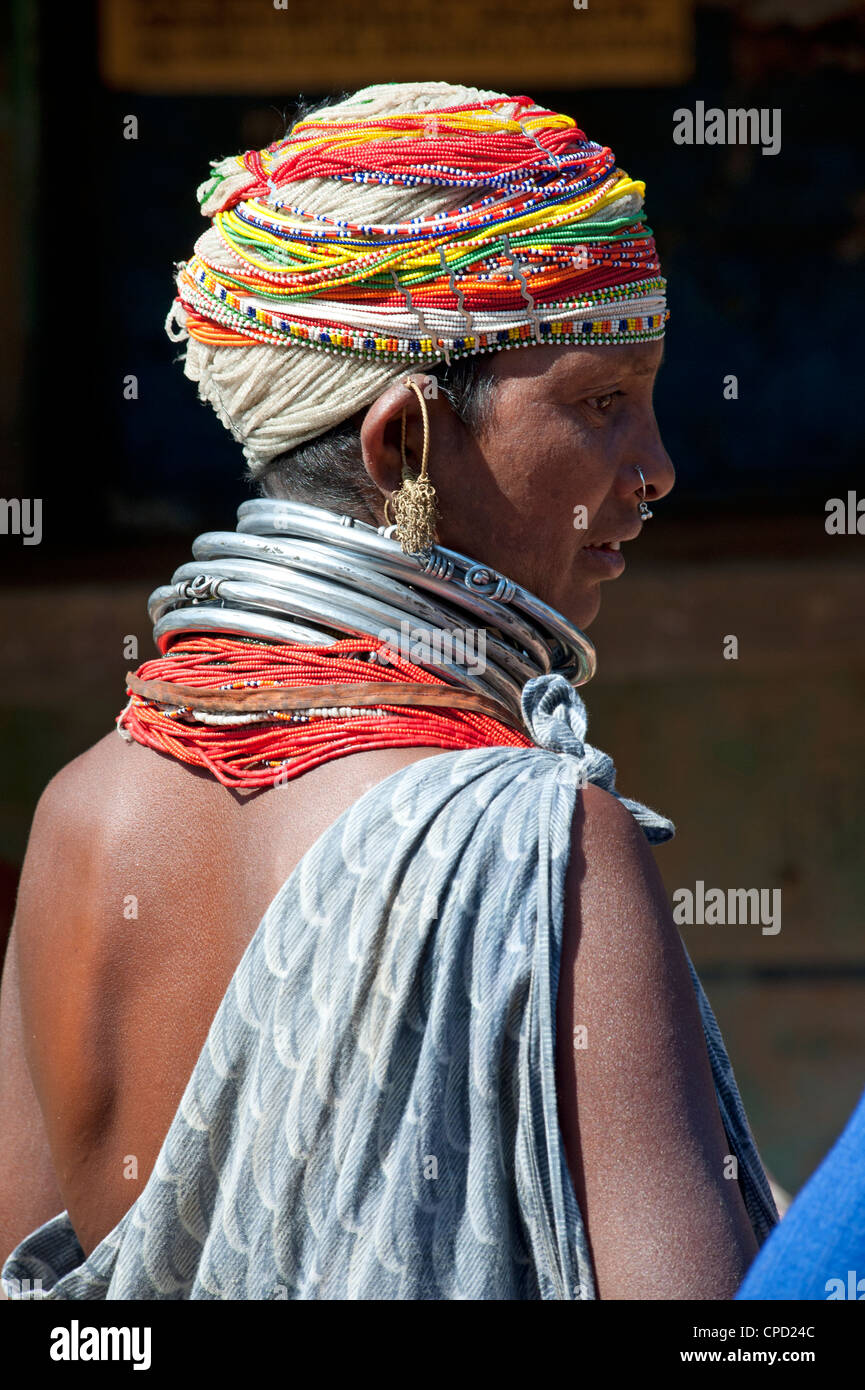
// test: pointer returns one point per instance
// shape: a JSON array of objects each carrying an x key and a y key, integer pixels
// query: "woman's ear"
[
  {"x": 381, "y": 438},
  {"x": 381, "y": 434}
]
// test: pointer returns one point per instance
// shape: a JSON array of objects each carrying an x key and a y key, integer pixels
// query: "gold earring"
[{"x": 414, "y": 503}]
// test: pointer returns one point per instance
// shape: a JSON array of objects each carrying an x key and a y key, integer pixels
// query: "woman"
[{"x": 460, "y": 1051}]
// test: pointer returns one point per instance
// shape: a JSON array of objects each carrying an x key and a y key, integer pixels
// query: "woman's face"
[{"x": 551, "y": 476}]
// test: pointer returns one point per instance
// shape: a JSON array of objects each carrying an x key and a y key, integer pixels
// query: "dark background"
[{"x": 758, "y": 761}]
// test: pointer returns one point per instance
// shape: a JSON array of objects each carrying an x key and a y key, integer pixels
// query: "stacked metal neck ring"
[{"x": 296, "y": 573}]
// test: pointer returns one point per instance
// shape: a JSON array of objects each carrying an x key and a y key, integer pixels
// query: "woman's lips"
[{"x": 605, "y": 560}]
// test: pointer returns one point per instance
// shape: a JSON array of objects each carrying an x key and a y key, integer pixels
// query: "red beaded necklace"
[{"x": 272, "y": 746}]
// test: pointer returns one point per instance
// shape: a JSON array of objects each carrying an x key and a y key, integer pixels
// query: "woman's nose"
[{"x": 651, "y": 471}]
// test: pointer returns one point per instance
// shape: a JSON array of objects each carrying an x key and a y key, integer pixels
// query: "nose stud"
[{"x": 645, "y": 510}]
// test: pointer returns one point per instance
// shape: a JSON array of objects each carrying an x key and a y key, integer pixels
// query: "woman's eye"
[{"x": 602, "y": 403}]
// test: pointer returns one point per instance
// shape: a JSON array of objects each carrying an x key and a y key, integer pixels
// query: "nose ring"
[{"x": 645, "y": 510}]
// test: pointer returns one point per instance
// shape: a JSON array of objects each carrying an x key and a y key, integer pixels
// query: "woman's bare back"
[{"x": 144, "y": 883}]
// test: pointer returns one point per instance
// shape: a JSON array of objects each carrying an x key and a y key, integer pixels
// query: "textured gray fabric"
[{"x": 374, "y": 1112}]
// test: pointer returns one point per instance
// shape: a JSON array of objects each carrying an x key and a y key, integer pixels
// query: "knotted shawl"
[{"x": 373, "y": 1115}]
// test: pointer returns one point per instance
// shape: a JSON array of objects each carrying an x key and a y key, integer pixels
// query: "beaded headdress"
[{"x": 402, "y": 227}]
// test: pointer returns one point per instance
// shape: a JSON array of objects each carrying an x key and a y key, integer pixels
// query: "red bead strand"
[{"x": 283, "y": 747}]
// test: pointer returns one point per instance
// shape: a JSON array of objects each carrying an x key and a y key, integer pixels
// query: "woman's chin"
[{"x": 581, "y": 609}]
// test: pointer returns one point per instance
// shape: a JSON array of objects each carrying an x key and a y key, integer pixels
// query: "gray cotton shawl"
[{"x": 373, "y": 1115}]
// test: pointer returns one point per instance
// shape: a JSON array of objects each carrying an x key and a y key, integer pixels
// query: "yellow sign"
[{"x": 289, "y": 46}]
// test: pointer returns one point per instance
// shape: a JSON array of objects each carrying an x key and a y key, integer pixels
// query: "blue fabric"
[
  {"x": 374, "y": 1112},
  {"x": 818, "y": 1251}
]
